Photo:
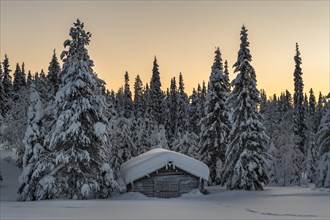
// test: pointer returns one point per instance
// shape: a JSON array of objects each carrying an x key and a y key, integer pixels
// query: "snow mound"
[
  {"x": 192, "y": 194},
  {"x": 132, "y": 196},
  {"x": 10, "y": 160},
  {"x": 155, "y": 159}
]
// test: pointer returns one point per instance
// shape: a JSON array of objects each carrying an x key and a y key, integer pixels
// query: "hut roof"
[{"x": 155, "y": 159}]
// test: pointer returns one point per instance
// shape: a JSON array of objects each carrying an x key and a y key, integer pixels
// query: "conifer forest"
[{"x": 71, "y": 133}]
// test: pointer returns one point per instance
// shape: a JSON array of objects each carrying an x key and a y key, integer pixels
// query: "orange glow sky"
[{"x": 126, "y": 35}]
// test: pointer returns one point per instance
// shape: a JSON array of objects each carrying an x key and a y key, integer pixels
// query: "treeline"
[{"x": 71, "y": 134}]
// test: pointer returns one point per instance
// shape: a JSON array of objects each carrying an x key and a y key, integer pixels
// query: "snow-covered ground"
[{"x": 272, "y": 203}]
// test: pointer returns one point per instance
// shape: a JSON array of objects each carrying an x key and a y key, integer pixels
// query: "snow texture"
[
  {"x": 155, "y": 159},
  {"x": 271, "y": 203}
]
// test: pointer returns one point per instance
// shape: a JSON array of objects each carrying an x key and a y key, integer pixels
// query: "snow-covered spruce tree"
[
  {"x": 271, "y": 116},
  {"x": 53, "y": 76},
  {"x": 185, "y": 140},
  {"x": 182, "y": 107},
  {"x": 306, "y": 107},
  {"x": 263, "y": 102},
  {"x": 201, "y": 93},
  {"x": 323, "y": 143},
  {"x": 140, "y": 134},
  {"x": 227, "y": 81},
  {"x": 172, "y": 118},
  {"x": 122, "y": 146},
  {"x": 3, "y": 97},
  {"x": 285, "y": 169},
  {"x": 119, "y": 103},
  {"x": 17, "y": 79},
  {"x": 47, "y": 88},
  {"x": 299, "y": 124},
  {"x": 31, "y": 183},
  {"x": 193, "y": 113},
  {"x": 139, "y": 102},
  {"x": 7, "y": 85},
  {"x": 7, "y": 79},
  {"x": 111, "y": 98},
  {"x": 311, "y": 160},
  {"x": 29, "y": 79},
  {"x": 158, "y": 137},
  {"x": 312, "y": 111},
  {"x": 127, "y": 99},
  {"x": 311, "y": 154},
  {"x": 156, "y": 95},
  {"x": 215, "y": 125},
  {"x": 140, "y": 137},
  {"x": 288, "y": 103},
  {"x": 156, "y": 132},
  {"x": 154, "y": 113},
  {"x": 200, "y": 108},
  {"x": 246, "y": 162},
  {"x": 79, "y": 136},
  {"x": 43, "y": 86},
  {"x": 187, "y": 144},
  {"x": 319, "y": 110},
  {"x": 122, "y": 128},
  {"x": 15, "y": 121},
  {"x": 22, "y": 79},
  {"x": 167, "y": 113}
]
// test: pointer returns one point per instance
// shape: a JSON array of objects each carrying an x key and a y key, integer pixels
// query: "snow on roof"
[{"x": 155, "y": 159}]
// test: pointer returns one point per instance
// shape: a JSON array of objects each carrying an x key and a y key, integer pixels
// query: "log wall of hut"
[{"x": 168, "y": 182}]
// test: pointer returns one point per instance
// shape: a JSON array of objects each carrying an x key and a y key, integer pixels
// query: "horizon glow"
[{"x": 183, "y": 35}]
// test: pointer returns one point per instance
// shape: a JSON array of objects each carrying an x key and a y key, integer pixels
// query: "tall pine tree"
[
  {"x": 182, "y": 107},
  {"x": 127, "y": 99},
  {"x": 156, "y": 95},
  {"x": 193, "y": 113},
  {"x": 17, "y": 79},
  {"x": 54, "y": 71},
  {"x": 247, "y": 162},
  {"x": 227, "y": 81},
  {"x": 298, "y": 104},
  {"x": 312, "y": 110},
  {"x": 323, "y": 142},
  {"x": 299, "y": 114},
  {"x": 215, "y": 125},
  {"x": 7, "y": 79},
  {"x": 3, "y": 97},
  {"x": 31, "y": 179},
  {"x": 311, "y": 157},
  {"x": 139, "y": 101},
  {"x": 79, "y": 138},
  {"x": 172, "y": 111}
]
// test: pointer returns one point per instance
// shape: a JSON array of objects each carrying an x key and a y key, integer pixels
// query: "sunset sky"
[{"x": 126, "y": 35}]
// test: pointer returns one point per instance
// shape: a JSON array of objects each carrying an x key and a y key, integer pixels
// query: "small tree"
[
  {"x": 7, "y": 79},
  {"x": 54, "y": 71},
  {"x": 323, "y": 142},
  {"x": 34, "y": 150},
  {"x": 17, "y": 76},
  {"x": 193, "y": 113},
  {"x": 226, "y": 78}
]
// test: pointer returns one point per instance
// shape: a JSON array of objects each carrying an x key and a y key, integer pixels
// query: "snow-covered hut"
[{"x": 163, "y": 173}]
